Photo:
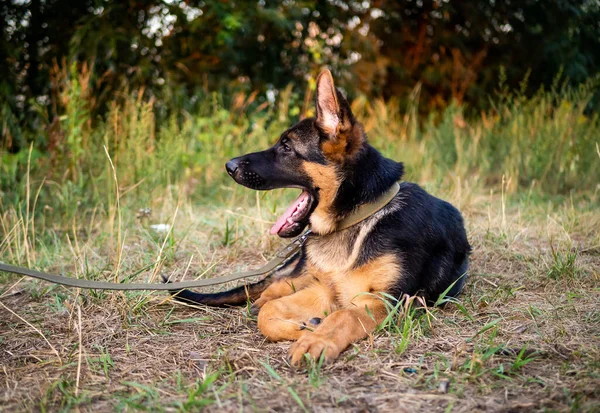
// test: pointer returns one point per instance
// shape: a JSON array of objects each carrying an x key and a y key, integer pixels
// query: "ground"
[{"x": 524, "y": 337}]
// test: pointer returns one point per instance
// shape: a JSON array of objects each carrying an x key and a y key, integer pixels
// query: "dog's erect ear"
[
  {"x": 335, "y": 119},
  {"x": 328, "y": 107}
]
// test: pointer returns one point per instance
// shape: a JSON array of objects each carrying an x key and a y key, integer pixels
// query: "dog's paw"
[{"x": 315, "y": 345}]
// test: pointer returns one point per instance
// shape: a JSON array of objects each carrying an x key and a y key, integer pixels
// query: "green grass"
[{"x": 81, "y": 168}]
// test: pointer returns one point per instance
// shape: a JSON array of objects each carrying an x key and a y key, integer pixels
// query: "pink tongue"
[{"x": 282, "y": 220}]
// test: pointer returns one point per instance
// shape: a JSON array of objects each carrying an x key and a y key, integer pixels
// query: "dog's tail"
[
  {"x": 234, "y": 297},
  {"x": 242, "y": 294}
]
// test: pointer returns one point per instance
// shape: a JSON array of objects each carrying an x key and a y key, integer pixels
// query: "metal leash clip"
[{"x": 293, "y": 247}]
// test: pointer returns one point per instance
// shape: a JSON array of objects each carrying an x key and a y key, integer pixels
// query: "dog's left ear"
[
  {"x": 335, "y": 118},
  {"x": 334, "y": 115}
]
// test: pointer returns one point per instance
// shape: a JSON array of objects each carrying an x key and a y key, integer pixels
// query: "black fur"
[
  {"x": 429, "y": 235},
  {"x": 359, "y": 187}
]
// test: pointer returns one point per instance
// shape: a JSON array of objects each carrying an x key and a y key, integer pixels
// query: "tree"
[{"x": 175, "y": 49}]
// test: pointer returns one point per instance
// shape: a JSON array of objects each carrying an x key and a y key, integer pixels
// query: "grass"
[
  {"x": 133, "y": 198},
  {"x": 517, "y": 338}
]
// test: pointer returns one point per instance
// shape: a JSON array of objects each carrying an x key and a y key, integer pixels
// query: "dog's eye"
[{"x": 286, "y": 148}]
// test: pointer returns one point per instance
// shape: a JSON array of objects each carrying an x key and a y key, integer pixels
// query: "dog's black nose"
[{"x": 232, "y": 166}]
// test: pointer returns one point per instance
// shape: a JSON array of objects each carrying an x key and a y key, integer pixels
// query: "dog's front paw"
[{"x": 315, "y": 345}]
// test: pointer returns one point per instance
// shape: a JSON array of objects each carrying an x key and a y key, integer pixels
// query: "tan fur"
[
  {"x": 374, "y": 277},
  {"x": 292, "y": 136},
  {"x": 344, "y": 145},
  {"x": 359, "y": 308},
  {"x": 325, "y": 178},
  {"x": 345, "y": 138},
  {"x": 330, "y": 252},
  {"x": 285, "y": 317},
  {"x": 354, "y": 141},
  {"x": 333, "y": 252},
  {"x": 338, "y": 331},
  {"x": 282, "y": 288},
  {"x": 349, "y": 298},
  {"x": 331, "y": 284},
  {"x": 335, "y": 149}
]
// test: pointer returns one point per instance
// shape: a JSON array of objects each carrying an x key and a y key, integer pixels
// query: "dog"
[{"x": 331, "y": 293}]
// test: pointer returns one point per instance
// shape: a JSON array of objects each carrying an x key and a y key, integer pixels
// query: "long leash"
[{"x": 281, "y": 257}]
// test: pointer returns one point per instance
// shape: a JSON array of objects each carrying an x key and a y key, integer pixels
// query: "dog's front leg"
[
  {"x": 289, "y": 317},
  {"x": 340, "y": 329},
  {"x": 280, "y": 288}
]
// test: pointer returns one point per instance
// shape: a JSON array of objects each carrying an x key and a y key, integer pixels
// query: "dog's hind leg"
[{"x": 462, "y": 273}]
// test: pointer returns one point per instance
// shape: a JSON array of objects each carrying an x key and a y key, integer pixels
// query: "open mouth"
[{"x": 295, "y": 218}]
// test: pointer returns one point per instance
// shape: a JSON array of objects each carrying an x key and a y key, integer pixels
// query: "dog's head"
[{"x": 316, "y": 155}]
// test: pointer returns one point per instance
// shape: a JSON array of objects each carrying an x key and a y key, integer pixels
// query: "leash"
[{"x": 281, "y": 257}]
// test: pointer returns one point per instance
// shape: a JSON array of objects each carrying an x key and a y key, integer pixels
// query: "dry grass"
[{"x": 524, "y": 338}]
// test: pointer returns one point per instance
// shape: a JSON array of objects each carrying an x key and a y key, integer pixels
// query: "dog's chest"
[
  {"x": 331, "y": 253},
  {"x": 333, "y": 260},
  {"x": 337, "y": 253}
]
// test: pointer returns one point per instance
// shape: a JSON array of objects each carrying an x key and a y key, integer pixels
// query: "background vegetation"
[
  {"x": 176, "y": 53},
  {"x": 477, "y": 89}
]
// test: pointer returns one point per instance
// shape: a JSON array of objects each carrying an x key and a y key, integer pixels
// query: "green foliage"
[
  {"x": 197, "y": 394},
  {"x": 522, "y": 359},
  {"x": 103, "y": 363},
  {"x": 405, "y": 319},
  {"x": 455, "y": 49},
  {"x": 294, "y": 395},
  {"x": 314, "y": 368},
  {"x": 178, "y": 52},
  {"x": 546, "y": 142},
  {"x": 564, "y": 264},
  {"x": 62, "y": 389}
]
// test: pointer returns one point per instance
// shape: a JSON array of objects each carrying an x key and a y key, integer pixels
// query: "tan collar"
[{"x": 366, "y": 210}]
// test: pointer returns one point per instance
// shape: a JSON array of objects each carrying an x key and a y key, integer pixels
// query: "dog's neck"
[
  {"x": 366, "y": 210},
  {"x": 339, "y": 250},
  {"x": 366, "y": 179}
]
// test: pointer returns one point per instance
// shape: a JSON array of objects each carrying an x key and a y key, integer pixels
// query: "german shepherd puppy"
[{"x": 329, "y": 294}]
